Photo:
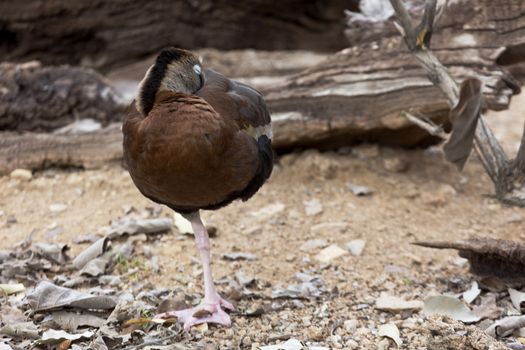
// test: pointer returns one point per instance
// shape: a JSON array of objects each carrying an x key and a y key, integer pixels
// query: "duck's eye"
[{"x": 197, "y": 69}]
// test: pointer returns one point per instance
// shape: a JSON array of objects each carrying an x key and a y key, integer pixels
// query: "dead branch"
[
  {"x": 427, "y": 125},
  {"x": 489, "y": 150}
]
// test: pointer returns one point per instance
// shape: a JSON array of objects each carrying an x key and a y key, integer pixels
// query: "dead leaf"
[
  {"x": 53, "y": 252},
  {"x": 53, "y": 336},
  {"x": 391, "y": 303},
  {"x": 488, "y": 309},
  {"x": 7, "y": 289},
  {"x": 97, "y": 266},
  {"x": 518, "y": 299},
  {"x": 464, "y": 118},
  {"x": 182, "y": 224},
  {"x": 448, "y": 306},
  {"x": 46, "y": 296},
  {"x": 24, "y": 330},
  {"x": 71, "y": 321},
  {"x": 93, "y": 251},
  {"x": 132, "y": 226},
  {"x": 472, "y": 293},
  {"x": 391, "y": 331},
  {"x": 4, "y": 346},
  {"x": 293, "y": 344}
]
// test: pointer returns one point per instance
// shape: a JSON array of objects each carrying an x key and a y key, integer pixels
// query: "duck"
[{"x": 195, "y": 140}]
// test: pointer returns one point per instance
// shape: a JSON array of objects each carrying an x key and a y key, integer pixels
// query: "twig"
[
  {"x": 488, "y": 148},
  {"x": 427, "y": 125}
]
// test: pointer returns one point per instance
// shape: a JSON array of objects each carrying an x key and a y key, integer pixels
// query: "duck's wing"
[
  {"x": 238, "y": 101},
  {"x": 244, "y": 105}
]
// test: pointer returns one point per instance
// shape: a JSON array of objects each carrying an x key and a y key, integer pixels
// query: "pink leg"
[{"x": 209, "y": 310}]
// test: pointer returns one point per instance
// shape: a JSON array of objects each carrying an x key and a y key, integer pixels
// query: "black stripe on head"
[{"x": 157, "y": 73}]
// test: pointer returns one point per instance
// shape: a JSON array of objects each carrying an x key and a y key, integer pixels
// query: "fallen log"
[
  {"x": 105, "y": 34},
  {"x": 40, "y": 98},
  {"x": 44, "y": 150}
]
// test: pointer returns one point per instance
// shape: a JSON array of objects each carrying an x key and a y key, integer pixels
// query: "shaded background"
[{"x": 104, "y": 34}]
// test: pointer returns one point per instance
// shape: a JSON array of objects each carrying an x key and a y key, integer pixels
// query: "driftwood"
[
  {"x": 489, "y": 257},
  {"x": 36, "y": 98},
  {"x": 362, "y": 94},
  {"x": 38, "y": 151},
  {"x": 106, "y": 33},
  {"x": 508, "y": 176}
]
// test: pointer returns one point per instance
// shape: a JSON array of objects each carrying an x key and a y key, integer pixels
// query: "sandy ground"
[{"x": 416, "y": 196}]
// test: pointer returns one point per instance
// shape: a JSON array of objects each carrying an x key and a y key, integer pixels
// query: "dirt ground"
[{"x": 416, "y": 196}]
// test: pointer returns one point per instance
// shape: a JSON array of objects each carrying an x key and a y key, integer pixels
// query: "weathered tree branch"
[{"x": 488, "y": 148}]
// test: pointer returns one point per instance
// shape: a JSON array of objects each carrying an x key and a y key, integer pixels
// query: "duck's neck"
[{"x": 148, "y": 88}]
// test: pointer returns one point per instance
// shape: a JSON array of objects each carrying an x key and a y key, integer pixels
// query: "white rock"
[
  {"x": 351, "y": 325},
  {"x": 330, "y": 253},
  {"x": 268, "y": 211},
  {"x": 329, "y": 227},
  {"x": 57, "y": 207},
  {"x": 391, "y": 331},
  {"x": 356, "y": 246},
  {"x": 313, "y": 207},
  {"x": 313, "y": 244},
  {"x": 21, "y": 174}
]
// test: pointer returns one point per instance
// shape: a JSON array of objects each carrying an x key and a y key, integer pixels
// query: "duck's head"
[{"x": 174, "y": 70}]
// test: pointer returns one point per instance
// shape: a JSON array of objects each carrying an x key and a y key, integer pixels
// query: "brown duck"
[{"x": 193, "y": 139}]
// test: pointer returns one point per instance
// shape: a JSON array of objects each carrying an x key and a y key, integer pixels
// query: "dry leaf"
[
  {"x": 132, "y": 226},
  {"x": 7, "y": 289},
  {"x": 518, "y": 299},
  {"x": 292, "y": 344},
  {"x": 25, "y": 330},
  {"x": 448, "y": 306},
  {"x": 4, "y": 346},
  {"x": 53, "y": 336},
  {"x": 52, "y": 252},
  {"x": 93, "y": 251},
  {"x": 391, "y": 331},
  {"x": 71, "y": 321},
  {"x": 464, "y": 118},
  {"x": 182, "y": 224},
  {"x": 47, "y": 296},
  {"x": 472, "y": 293},
  {"x": 488, "y": 309},
  {"x": 391, "y": 303}
]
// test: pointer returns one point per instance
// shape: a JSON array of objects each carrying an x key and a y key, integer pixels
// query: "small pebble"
[{"x": 21, "y": 174}]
